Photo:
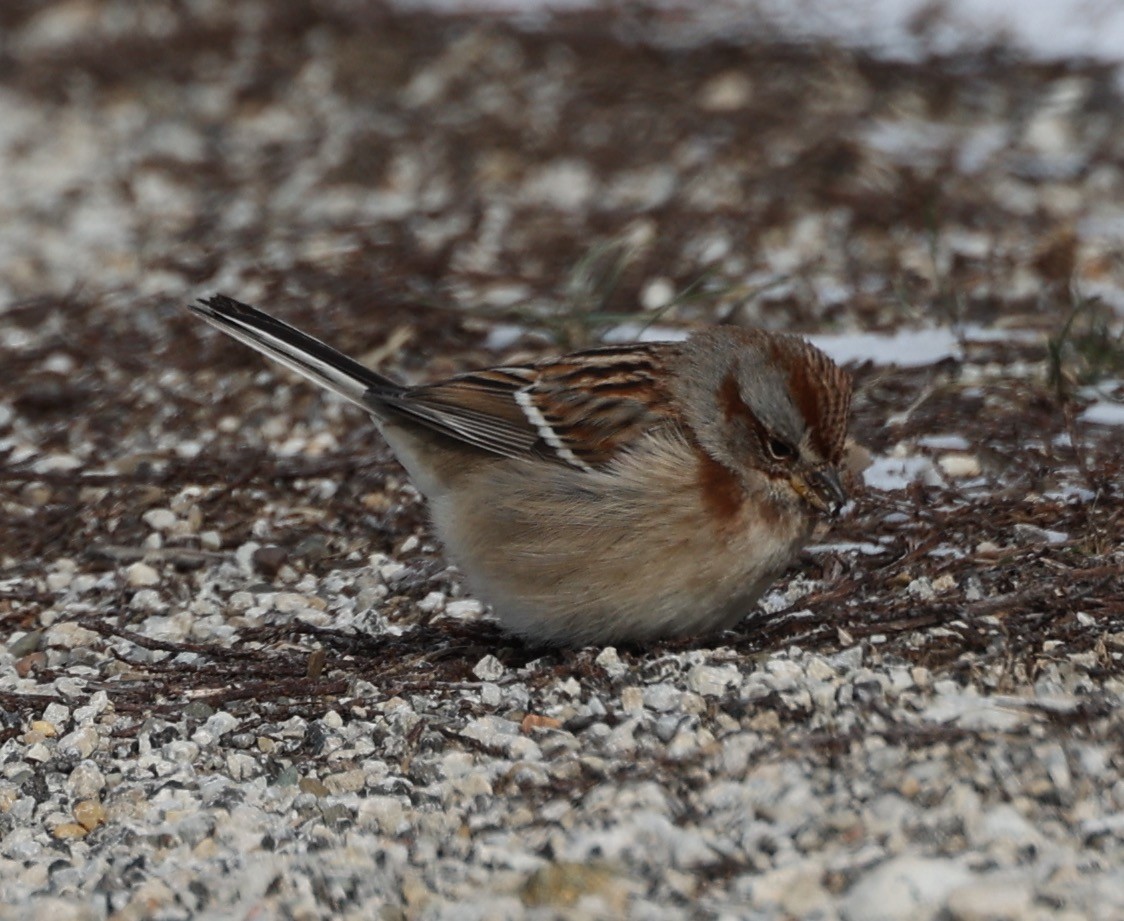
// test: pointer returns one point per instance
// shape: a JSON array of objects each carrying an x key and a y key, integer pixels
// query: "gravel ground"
[{"x": 238, "y": 680}]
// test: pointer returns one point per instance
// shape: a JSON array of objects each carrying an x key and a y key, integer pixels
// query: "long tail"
[{"x": 296, "y": 350}]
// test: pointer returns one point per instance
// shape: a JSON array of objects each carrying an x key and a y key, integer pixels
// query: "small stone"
[
  {"x": 220, "y": 723},
  {"x": 609, "y": 660},
  {"x": 632, "y": 699},
  {"x": 86, "y": 780},
  {"x": 244, "y": 555},
  {"x": 1032, "y": 535},
  {"x": 43, "y": 730},
  {"x": 346, "y": 781},
  {"x": 533, "y": 721},
  {"x": 268, "y": 560},
  {"x": 432, "y": 603},
  {"x": 82, "y": 741},
  {"x": 147, "y": 599},
  {"x": 70, "y": 635},
  {"x": 997, "y": 897},
  {"x": 657, "y": 294},
  {"x": 56, "y": 713},
  {"x": 987, "y": 549},
  {"x": 59, "y": 581},
  {"x": 905, "y": 888},
  {"x": 944, "y": 583},
  {"x": 56, "y": 463},
  {"x": 662, "y": 697},
  {"x": 564, "y": 885},
  {"x": 141, "y": 574},
  {"x": 921, "y": 588},
  {"x": 69, "y": 830},
  {"x": 726, "y": 92},
  {"x": 383, "y": 812},
  {"x": 959, "y": 466},
  {"x": 502, "y": 736},
  {"x": 464, "y": 609},
  {"x": 393, "y": 571},
  {"x": 711, "y": 681},
  {"x": 70, "y": 686},
  {"x": 26, "y": 644},
  {"x": 313, "y": 787},
  {"x": 89, "y": 814},
  {"x": 241, "y": 766},
  {"x": 38, "y": 752},
  {"x": 489, "y": 668},
  {"x": 160, "y": 519}
]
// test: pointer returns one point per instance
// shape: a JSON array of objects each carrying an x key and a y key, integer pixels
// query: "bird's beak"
[{"x": 821, "y": 489}]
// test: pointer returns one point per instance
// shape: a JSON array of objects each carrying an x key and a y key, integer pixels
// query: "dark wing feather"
[
  {"x": 580, "y": 409},
  {"x": 478, "y": 408}
]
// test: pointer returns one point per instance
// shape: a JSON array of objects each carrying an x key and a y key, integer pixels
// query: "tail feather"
[{"x": 298, "y": 351}]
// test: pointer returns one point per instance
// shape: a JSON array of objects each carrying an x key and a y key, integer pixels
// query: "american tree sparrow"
[{"x": 622, "y": 493}]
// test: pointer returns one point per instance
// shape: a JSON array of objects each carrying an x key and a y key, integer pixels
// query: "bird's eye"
[{"x": 781, "y": 450}]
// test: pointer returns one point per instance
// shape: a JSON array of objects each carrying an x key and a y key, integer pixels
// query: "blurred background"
[
  {"x": 934, "y": 191},
  {"x": 801, "y": 165},
  {"x": 422, "y": 179}
]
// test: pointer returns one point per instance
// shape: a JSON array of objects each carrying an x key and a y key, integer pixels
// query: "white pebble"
[
  {"x": 711, "y": 681},
  {"x": 56, "y": 463},
  {"x": 609, "y": 660},
  {"x": 147, "y": 599},
  {"x": 465, "y": 609},
  {"x": 959, "y": 465},
  {"x": 85, "y": 781},
  {"x": 490, "y": 695},
  {"x": 244, "y": 555},
  {"x": 903, "y": 889},
  {"x": 57, "y": 714},
  {"x": 83, "y": 742},
  {"x": 662, "y": 697},
  {"x": 489, "y": 669},
  {"x": 432, "y": 602},
  {"x": 160, "y": 519},
  {"x": 390, "y": 572},
  {"x": 657, "y": 294},
  {"x": 220, "y": 723},
  {"x": 38, "y": 752},
  {"x": 59, "y": 581},
  {"x": 141, "y": 574}
]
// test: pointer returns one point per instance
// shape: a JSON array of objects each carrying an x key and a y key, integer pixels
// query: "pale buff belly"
[{"x": 630, "y": 554}]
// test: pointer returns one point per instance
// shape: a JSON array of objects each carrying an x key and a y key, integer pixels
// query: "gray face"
[
  {"x": 764, "y": 392},
  {"x": 757, "y": 401}
]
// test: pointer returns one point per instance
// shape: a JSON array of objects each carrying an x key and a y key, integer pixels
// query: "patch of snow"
[
  {"x": 912, "y": 348},
  {"x": 907, "y": 348},
  {"x": 503, "y": 336},
  {"x": 1045, "y": 29},
  {"x": 1104, "y": 413},
  {"x": 943, "y": 442},
  {"x": 645, "y": 332},
  {"x": 1070, "y": 493},
  {"x": 855, "y": 546},
  {"x": 889, "y": 473}
]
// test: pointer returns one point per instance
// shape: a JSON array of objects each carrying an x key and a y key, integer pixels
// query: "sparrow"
[{"x": 619, "y": 494}]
